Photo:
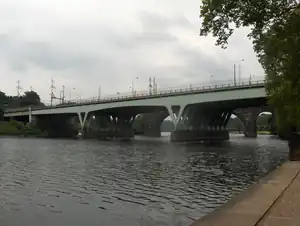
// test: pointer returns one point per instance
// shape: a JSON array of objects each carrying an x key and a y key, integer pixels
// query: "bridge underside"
[
  {"x": 201, "y": 122},
  {"x": 58, "y": 126},
  {"x": 197, "y": 122},
  {"x": 205, "y": 121},
  {"x": 115, "y": 123},
  {"x": 149, "y": 124}
]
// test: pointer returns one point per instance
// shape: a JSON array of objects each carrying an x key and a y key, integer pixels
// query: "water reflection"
[{"x": 147, "y": 182}]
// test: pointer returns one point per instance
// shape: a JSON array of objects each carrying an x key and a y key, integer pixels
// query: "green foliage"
[
  {"x": 15, "y": 128},
  {"x": 8, "y": 129},
  {"x": 275, "y": 31},
  {"x": 30, "y": 98},
  {"x": 281, "y": 63}
]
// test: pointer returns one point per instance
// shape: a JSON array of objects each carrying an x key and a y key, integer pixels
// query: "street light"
[
  {"x": 240, "y": 69},
  {"x": 99, "y": 92},
  {"x": 71, "y": 94},
  {"x": 211, "y": 77},
  {"x": 251, "y": 77},
  {"x": 132, "y": 85}
]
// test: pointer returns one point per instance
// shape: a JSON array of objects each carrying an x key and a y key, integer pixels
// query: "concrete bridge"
[{"x": 197, "y": 113}]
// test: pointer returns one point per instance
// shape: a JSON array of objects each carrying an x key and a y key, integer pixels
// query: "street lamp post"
[
  {"x": 99, "y": 92},
  {"x": 251, "y": 77},
  {"x": 240, "y": 69},
  {"x": 71, "y": 94},
  {"x": 234, "y": 74},
  {"x": 211, "y": 79},
  {"x": 132, "y": 85}
]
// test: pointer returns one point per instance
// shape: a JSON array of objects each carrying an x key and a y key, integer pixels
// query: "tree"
[
  {"x": 275, "y": 31},
  {"x": 30, "y": 98}
]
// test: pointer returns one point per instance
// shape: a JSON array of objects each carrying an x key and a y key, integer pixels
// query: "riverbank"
[
  {"x": 274, "y": 200},
  {"x": 14, "y": 128},
  {"x": 259, "y": 132}
]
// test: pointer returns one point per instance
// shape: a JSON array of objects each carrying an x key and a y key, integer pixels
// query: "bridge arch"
[
  {"x": 264, "y": 122},
  {"x": 235, "y": 124},
  {"x": 150, "y": 124},
  {"x": 254, "y": 119},
  {"x": 139, "y": 119}
]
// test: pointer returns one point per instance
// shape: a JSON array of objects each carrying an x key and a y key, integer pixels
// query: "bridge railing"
[
  {"x": 173, "y": 91},
  {"x": 193, "y": 88}
]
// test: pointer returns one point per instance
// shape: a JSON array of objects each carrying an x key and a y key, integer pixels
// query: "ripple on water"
[{"x": 67, "y": 182}]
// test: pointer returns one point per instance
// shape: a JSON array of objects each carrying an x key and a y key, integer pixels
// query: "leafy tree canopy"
[
  {"x": 30, "y": 98},
  {"x": 275, "y": 31}
]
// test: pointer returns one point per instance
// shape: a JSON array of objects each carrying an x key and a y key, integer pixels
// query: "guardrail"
[{"x": 146, "y": 94}]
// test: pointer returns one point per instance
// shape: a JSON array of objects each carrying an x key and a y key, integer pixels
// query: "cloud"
[{"x": 92, "y": 43}]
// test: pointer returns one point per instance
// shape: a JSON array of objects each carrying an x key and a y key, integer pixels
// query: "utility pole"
[
  {"x": 63, "y": 94},
  {"x": 240, "y": 68},
  {"x": 18, "y": 88},
  {"x": 150, "y": 86},
  {"x": 99, "y": 92},
  {"x": 52, "y": 88},
  {"x": 234, "y": 74}
]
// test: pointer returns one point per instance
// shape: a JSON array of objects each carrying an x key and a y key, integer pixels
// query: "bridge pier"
[
  {"x": 200, "y": 123},
  {"x": 110, "y": 127},
  {"x": 148, "y": 124},
  {"x": 248, "y": 116}
]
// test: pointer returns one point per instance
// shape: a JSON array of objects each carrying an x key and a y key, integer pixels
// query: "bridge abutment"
[{"x": 57, "y": 126}]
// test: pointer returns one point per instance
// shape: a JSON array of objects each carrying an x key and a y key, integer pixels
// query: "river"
[{"x": 146, "y": 182}]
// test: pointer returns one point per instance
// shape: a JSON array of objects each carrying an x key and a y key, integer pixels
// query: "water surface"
[{"x": 146, "y": 182}]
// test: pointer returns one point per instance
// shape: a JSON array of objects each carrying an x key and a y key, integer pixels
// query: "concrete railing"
[{"x": 244, "y": 84}]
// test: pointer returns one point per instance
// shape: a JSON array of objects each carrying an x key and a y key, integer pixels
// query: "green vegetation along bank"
[{"x": 14, "y": 128}]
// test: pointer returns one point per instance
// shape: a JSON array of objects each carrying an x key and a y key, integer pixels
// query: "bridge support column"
[
  {"x": 33, "y": 120},
  {"x": 148, "y": 124},
  {"x": 110, "y": 127},
  {"x": 82, "y": 119},
  {"x": 201, "y": 123},
  {"x": 249, "y": 117},
  {"x": 175, "y": 112}
]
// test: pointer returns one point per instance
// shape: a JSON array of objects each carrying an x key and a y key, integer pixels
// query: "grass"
[{"x": 15, "y": 128}]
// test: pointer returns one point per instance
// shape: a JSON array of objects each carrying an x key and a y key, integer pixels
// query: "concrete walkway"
[{"x": 273, "y": 201}]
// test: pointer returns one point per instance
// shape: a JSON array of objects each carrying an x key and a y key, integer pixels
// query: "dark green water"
[{"x": 147, "y": 182}]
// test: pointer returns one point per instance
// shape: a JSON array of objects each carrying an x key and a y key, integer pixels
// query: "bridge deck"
[{"x": 147, "y": 95}]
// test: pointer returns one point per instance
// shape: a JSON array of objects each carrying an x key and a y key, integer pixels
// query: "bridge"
[{"x": 197, "y": 112}]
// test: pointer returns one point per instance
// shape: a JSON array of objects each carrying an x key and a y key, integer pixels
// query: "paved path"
[{"x": 273, "y": 201}]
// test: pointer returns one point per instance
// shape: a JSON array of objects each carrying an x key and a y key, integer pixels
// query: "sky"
[{"x": 87, "y": 44}]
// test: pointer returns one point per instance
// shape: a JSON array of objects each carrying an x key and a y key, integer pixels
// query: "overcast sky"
[{"x": 83, "y": 44}]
